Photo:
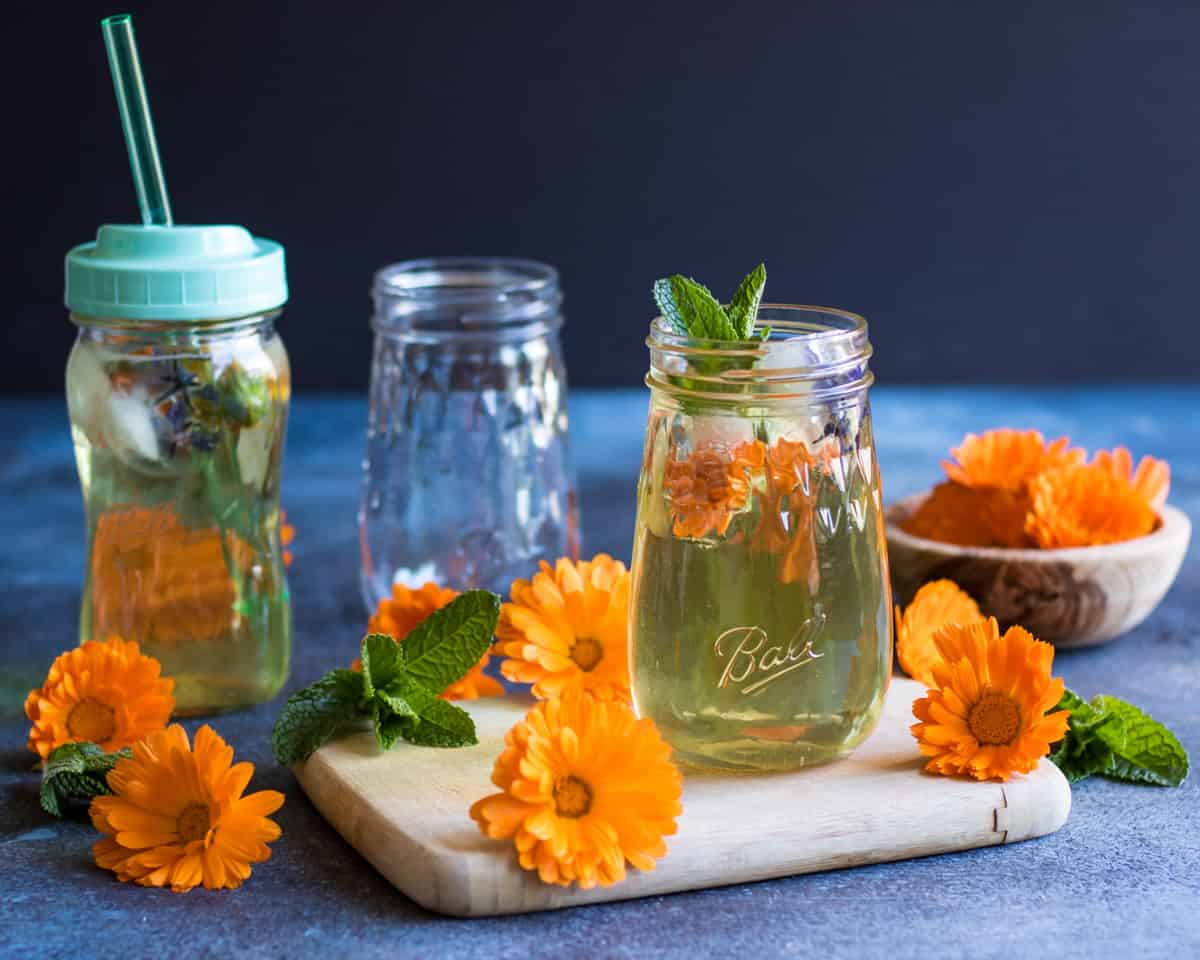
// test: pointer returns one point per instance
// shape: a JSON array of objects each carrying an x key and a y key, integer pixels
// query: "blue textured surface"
[{"x": 1121, "y": 878}]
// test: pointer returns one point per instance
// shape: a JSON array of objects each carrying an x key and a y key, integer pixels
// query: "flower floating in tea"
[
  {"x": 585, "y": 787},
  {"x": 156, "y": 578},
  {"x": 711, "y": 485},
  {"x": 788, "y": 504}
]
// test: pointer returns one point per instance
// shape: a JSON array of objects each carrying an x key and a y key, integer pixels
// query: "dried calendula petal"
[
  {"x": 1085, "y": 506},
  {"x": 971, "y": 517},
  {"x": 936, "y": 604},
  {"x": 1008, "y": 459}
]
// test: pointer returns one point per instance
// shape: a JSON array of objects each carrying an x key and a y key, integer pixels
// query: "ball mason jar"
[
  {"x": 177, "y": 388},
  {"x": 760, "y": 621},
  {"x": 467, "y": 478}
]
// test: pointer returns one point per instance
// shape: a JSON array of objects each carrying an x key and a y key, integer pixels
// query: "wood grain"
[{"x": 406, "y": 813}]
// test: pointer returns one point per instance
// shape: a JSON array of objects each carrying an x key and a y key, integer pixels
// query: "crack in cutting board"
[{"x": 406, "y": 812}]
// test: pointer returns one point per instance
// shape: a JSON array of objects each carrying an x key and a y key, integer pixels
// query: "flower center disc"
[
  {"x": 193, "y": 823},
  {"x": 994, "y": 719},
  {"x": 572, "y": 797},
  {"x": 587, "y": 652},
  {"x": 92, "y": 720}
]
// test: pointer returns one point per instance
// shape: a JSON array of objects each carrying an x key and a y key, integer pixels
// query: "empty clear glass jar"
[
  {"x": 760, "y": 610},
  {"x": 467, "y": 479}
]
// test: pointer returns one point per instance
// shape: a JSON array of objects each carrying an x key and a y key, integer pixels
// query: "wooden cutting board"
[{"x": 406, "y": 812}]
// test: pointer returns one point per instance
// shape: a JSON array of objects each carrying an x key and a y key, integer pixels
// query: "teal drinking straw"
[{"x": 136, "y": 121}]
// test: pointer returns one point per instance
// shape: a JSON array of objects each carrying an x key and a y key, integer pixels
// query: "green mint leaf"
[
  {"x": 664, "y": 298},
  {"x": 441, "y": 724},
  {"x": 76, "y": 771},
  {"x": 400, "y": 701},
  {"x": 388, "y": 726},
  {"x": 409, "y": 709},
  {"x": 312, "y": 715},
  {"x": 1115, "y": 739},
  {"x": 743, "y": 308},
  {"x": 704, "y": 316},
  {"x": 1143, "y": 750},
  {"x": 382, "y": 661},
  {"x": 1080, "y": 757},
  {"x": 450, "y": 641}
]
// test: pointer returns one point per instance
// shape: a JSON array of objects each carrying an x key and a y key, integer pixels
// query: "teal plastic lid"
[{"x": 175, "y": 273}]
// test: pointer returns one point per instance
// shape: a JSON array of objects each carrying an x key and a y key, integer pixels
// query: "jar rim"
[
  {"x": 808, "y": 330},
  {"x": 466, "y": 296},
  {"x": 470, "y": 277},
  {"x": 810, "y": 353}
]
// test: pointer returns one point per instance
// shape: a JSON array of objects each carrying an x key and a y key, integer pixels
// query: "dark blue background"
[{"x": 1007, "y": 191}]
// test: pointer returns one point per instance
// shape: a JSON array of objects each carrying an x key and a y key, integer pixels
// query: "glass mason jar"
[
  {"x": 760, "y": 622},
  {"x": 178, "y": 425},
  {"x": 467, "y": 480}
]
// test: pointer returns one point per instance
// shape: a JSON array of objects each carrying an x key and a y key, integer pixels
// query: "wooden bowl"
[{"x": 1077, "y": 597}]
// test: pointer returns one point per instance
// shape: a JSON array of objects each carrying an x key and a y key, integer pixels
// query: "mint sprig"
[
  {"x": 76, "y": 771},
  {"x": 743, "y": 307},
  {"x": 313, "y": 715},
  {"x": 399, "y": 685},
  {"x": 1113, "y": 738},
  {"x": 692, "y": 311}
]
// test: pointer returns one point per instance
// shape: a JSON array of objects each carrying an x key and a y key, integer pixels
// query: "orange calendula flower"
[
  {"x": 1086, "y": 506},
  {"x": 155, "y": 579},
  {"x": 710, "y": 486},
  {"x": 106, "y": 693},
  {"x": 565, "y": 630},
  {"x": 178, "y": 818},
  {"x": 1008, "y": 459},
  {"x": 1151, "y": 479},
  {"x": 788, "y": 502},
  {"x": 404, "y": 610},
  {"x": 936, "y": 604},
  {"x": 586, "y": 787},
  {"x": 986, "y": 714},
  {"x": 971, "y": 516}
]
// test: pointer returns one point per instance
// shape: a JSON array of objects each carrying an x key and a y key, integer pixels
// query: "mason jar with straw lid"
[{"x": 178, "y": 388}]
